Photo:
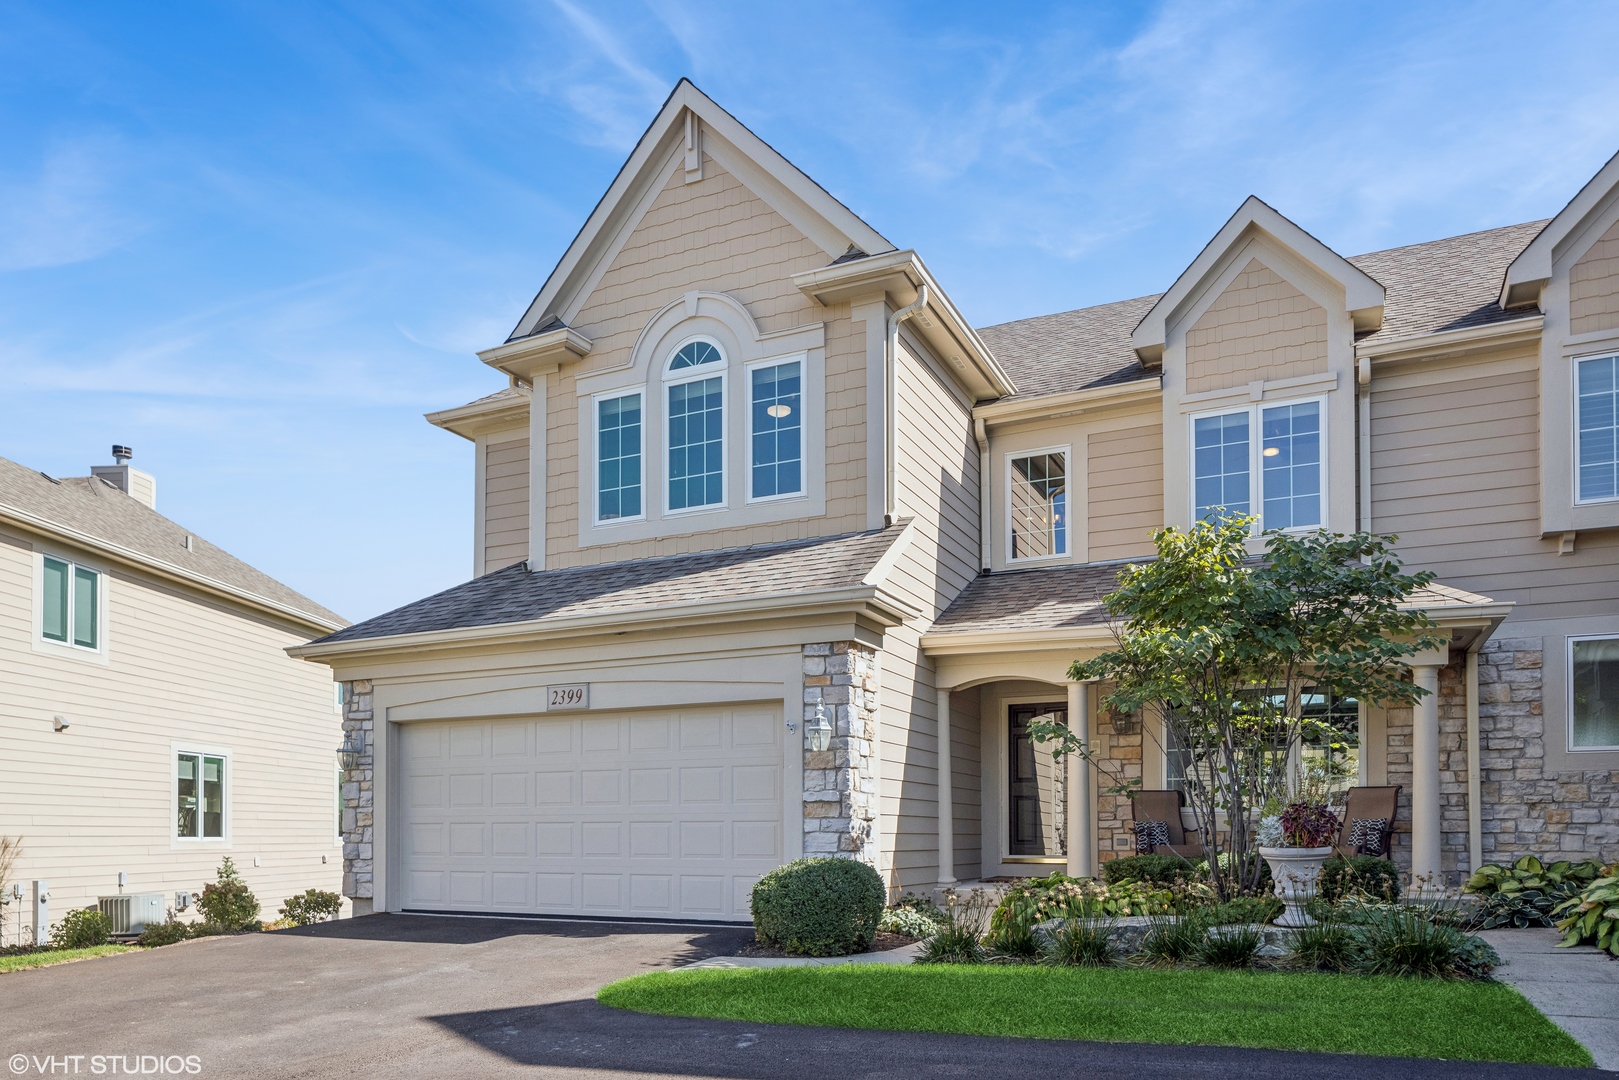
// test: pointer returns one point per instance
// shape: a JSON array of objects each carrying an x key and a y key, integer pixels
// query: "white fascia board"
[
  {"x": 1533, "y": 266},
  {"x": 1363, "y": 295},
  {"x": 1449, "y": 342},
  {"x": 965, "y": 643},
  {"x": 531, "y": 356},
  {"x": 471, "y": 420},
  {"x": 1072, "y": 401}
]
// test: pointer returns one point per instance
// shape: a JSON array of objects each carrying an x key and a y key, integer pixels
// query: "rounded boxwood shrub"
[
  {"x": 819, "y": 907},
  {"x": 1376, "y": 877}
]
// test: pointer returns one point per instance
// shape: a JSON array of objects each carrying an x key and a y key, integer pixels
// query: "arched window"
[
  {"x": 695, "y": 354},
  {"x": 695, "y": 422}
]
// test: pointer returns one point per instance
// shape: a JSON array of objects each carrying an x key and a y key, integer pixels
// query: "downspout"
[
  {"x": 1475, "y": 809},
  {"x": 981, "y": 433},
  {"x": 891, "y": 401},
  {"x": 1364, "y": 378}
]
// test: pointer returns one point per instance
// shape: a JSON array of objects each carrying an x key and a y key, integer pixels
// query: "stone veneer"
[
  {"x": 358, "y": 880},
  {"x": 840, "y": 783},
  {"x": 1118, "y": 757}
]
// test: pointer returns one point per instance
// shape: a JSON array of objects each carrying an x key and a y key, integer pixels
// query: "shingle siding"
[{"x": 1261, "y": 327}]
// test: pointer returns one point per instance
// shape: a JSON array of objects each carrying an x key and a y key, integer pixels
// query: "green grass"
[
  {"x": 1277, "y": 1010},
  {"x": 46, "y": 957}
]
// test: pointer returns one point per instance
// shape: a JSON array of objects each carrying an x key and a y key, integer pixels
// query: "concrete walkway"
[{"x": 1577, "y": 988}]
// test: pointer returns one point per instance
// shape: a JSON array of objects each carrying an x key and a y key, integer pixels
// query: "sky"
[{"x": 257, "y": 242}]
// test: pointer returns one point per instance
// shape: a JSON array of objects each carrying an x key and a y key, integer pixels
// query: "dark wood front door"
[{"x": 1033, "y": 808}]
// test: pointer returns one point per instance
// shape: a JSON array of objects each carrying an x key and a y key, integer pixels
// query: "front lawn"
[
  {"x": 1393, "y": 1017},
  {"x": 46, "y": 957}
]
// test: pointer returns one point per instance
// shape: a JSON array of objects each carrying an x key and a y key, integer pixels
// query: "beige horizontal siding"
[
  {"x": 1126, "y": 501},
  {"x": 1593, "y": 286},
  {"x": 1260, "y": 327},
  {"x": 505, "y": 506}
]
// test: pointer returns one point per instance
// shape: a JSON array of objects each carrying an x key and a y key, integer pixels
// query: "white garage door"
[{"x": 646, "y": 815}]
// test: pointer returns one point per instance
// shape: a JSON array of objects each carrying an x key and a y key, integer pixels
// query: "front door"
[{"x": 1036, "y": 787}]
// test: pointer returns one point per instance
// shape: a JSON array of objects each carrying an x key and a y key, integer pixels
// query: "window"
[
  {"x": 775, "y": 425},
  {"x": 1287, "y": 460},
  {"x": 618, "y": 458},
  {"x": 1593, "y": 694},
  {"x": 1329, "y": 741},
  {"x": 1597, "y": 465},
  {"x": 71, "y": 604},
  {"x": 695, "y": 354},
  {"x": 696, "y": 426},
  {"x": 1039, "y": 513},
  {"x": 199, "y": 796}
]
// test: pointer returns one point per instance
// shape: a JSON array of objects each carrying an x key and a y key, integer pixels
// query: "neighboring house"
[
  {"x": 152, "y": 722},
  {"x": 752, "y": 464}
]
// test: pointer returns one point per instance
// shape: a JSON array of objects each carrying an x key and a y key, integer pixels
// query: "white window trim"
[
  {"x": 1256, "y": 473},
  {"x": 691, "y": 375},
  {"x": 176, "y": 841},
  {"x": 43, "y": 644},
  {"x": 1068, "y": 481},
  {"x": 802, "y": 360},
  {"x": 1568, "y": 675},
  {"x": 1574, "y": 429},
  {"x": 596, "y": 400}
]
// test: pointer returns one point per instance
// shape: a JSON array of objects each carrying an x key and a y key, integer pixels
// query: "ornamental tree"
[{"x": 1220, "y": 644}]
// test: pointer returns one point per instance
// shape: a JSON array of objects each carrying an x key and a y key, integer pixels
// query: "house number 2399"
[{"x": 572, "y": 696}]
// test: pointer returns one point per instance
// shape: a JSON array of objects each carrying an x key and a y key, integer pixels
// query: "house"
[
  {"x": 753, "y": 467},
  {"x": 152, "y": 721}
]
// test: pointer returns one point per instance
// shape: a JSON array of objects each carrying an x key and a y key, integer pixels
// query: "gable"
[
  {"x": 1260, "y": 327},
  {"x": 1593, "y": 286}
]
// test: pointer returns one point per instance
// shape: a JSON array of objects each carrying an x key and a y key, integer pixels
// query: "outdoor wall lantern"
[
  {"x": 818, "y": 732},
  {"x": 348, "y": 755},
  {"x": 1124, "y": 723}
]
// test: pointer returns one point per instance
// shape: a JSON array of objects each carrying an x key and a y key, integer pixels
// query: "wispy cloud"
[
  {"x": 67, "y": 211},
  {"x": 604, "y": 83}
]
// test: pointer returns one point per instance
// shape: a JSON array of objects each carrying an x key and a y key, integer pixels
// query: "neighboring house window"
[
  {"x": 776, "y": 430},
  {"x": 1598, "y": 418},
  {"x": 71, "y": 604},
  {"x": 1286, "y": 458},
  {"x": 696, "y": 425},
  {"x": 199, "y": 796},
  {"x": 1594, "y": 694},
  {"x": 618, "y": 458},
  {"x": 1039, "y": 514}
]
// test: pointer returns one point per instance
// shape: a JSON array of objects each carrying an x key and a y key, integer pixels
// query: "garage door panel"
[
  {"x": 553, "y": 737},
  {"x": 466, "y": 838},
  {"x": 650, "y": 787},
  {"x": 649, "y": 734},
  {"x": 754, "y": 729},
  {"x": 651, "y": 839},
  {"x": 702, "y": 839},
  {"x": 755, "y": 783},
  {"x": 426, "y": 790},
  {"x": 554, "y": 838},
  {"x": 467, "y": 887},
  {"x": 555, "y": 892},
  {"x": 466, "y": 741},
  {"x": 466, "y": 789},
  {"x": 651, "y": 894},
  {"x": 755, "y": 840},
  {"x": 426, "y": 887},
  {"x": 601, "y": 892},
  {"x": 603, "y": 839},
  {"x": 702, "y": 784},
  {"x": 602, "y": 736},
  {"x": 509, "y": 838},
  {"x": 702, "y": 895},
  {"x": 511, "y": 890},
  {"x": 509, "y": 740},
  {"x": 704, "y": 732},
  {"x": 602, "y": 787},
  {"x": 508, "y": 789},
  {"x": 425, "y": 838},
  {"x": 554, "y": 788}
]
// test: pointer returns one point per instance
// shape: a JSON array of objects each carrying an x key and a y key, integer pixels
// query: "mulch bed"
[{"x": 881, "y": 943}]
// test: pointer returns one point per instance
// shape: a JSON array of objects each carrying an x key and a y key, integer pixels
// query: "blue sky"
[{"x": 257, "y": 242}]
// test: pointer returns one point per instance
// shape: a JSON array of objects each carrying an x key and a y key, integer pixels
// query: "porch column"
[
  {"x": 947, "y": 819},
  {"x": 1081, "y": 805},
  {"x": 1425, "y": 777}
]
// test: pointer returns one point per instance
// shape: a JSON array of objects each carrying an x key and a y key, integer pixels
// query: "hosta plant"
[
  {"x": 1059, "y": 896},
  {"x": 1592, "y": 918},
  {"x": 1529, "y": 892}
]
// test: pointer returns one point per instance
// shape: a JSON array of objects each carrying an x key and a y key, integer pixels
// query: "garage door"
[{"x": 644, "y": 815}]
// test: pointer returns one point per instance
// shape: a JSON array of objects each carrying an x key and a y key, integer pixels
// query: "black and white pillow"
[
  {"x": 1150, "y": 835},
  {"x": 1367, "y": 834}
]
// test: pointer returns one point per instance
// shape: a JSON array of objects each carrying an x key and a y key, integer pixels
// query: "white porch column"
[
  {"x": 1425, "y": 776},
  {"x": 947, "y": 819},
  {"x": 1081, "y": 804}
]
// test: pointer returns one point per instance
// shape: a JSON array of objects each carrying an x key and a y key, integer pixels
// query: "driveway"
[{"x": 420, "y": 996}]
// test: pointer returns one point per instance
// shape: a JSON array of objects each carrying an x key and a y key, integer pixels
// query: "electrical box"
[{"x": 42, "y": 913}]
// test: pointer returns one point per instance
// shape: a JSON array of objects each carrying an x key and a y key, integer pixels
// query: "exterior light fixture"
[
  {"x": 348, "y": 755},
  {"x": 818, "y": 733},
  {"x": 1272, "y": 451},
  {"x": 1124, "y": 723},
  {"x": 780, "y": 411}
]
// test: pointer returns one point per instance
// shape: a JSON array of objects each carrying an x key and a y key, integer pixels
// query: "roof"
[
  {"x": 91, "y": 507},
  {"x": 1431, "y": 287},
  {"x": 1070, "y": 597},
  {"x": 516, "y": 595}
]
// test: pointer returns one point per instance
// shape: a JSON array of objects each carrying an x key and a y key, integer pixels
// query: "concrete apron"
[
  {"x": 1577, "y": 989},
  {"x": 902, "y": 955}
]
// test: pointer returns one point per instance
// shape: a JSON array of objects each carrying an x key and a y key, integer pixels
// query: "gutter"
[
  {"x": 985, "y": 522},
  {"x": 891, "y": 401},
  {"x": 1468, "y": 338},
  {"x": 1054, "y": 406}
]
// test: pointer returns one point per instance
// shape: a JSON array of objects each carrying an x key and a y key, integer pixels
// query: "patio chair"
[
  {"x": 1368, "y": 803},
  {"x": 1165, "y": 806}
]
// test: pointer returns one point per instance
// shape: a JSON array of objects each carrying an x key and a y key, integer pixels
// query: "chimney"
[{"x": 126, "y": 478}]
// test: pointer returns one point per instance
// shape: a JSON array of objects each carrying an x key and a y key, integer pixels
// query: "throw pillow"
[
  {"x": 1367, "y": 835},
  {"x": 1150, "y": 835}
]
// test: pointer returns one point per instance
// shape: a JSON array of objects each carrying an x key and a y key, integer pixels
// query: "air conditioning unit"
[{"x": 132, "y": 913}]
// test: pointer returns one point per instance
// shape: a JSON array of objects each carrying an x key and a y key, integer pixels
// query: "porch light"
[
  {"x": 1272, "y": 451},
  {"x": 780, "y": 411},
  {"x": 1124, "y": 723},
  {"x": 348, "y": 755},
  {"x": 818, "y": 732}
]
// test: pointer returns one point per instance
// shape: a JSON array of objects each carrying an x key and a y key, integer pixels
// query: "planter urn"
[{"x": 1295, "y": 871}]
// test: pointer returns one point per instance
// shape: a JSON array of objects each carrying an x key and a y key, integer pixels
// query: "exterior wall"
[
  {"x": 1593, "y": 286},
  {"x": 505, "y": 500},
  {"x": 179, "y": 668},
  {"x": 966, "y": 778},
  {"x": 841, "y": 782},
  {"x": 1126, "y": 498},
  {"x": 1119, "y": 759},
  {"x": 1261, "y": 327},
  {"x": 359, "y": 797}
]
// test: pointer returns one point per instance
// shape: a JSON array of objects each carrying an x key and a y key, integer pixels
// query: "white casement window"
[
  {"x": 775, "y": 430},
  {"x": 1596, "y": 413},
  {"x": 1274, "y": 447},
  {"x": 1037, "y": 493},
  {"x": 199, "y": 795},
  {"x": 1593, "y": 693},
  {"x": 619, "y": 454},
  {"x": 695, "y": 423},
  {"x": 70, "y": 604}
]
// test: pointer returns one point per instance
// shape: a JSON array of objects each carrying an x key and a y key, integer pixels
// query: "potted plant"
[{"x": 1296, "y": 843}]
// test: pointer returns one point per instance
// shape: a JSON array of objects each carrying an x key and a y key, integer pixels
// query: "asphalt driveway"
[{"x": 420, "y": 996}]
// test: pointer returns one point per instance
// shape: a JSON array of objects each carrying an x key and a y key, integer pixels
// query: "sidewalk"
[{"x": 1577, "y": 988}]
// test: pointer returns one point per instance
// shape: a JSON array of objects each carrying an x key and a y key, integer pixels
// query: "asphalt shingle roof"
[
  {"x": 514, "y": 595},
  {"x": 88, "y": 505}
]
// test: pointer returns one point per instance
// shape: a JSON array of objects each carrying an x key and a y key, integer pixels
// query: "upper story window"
[
  {"x": 1593, "y": 714},
  {"x": 695, "y": 423},
  {"x": 1597, "y": 412},
  {"x": 199, "y": 796},
  {"x": 618, "y": 458},
  {"x": 775, "y": 430},
  {"x": 1286, "y": 458},
  {"x": 70, "y": 604},
  {"x": 1039, "y": 504}
]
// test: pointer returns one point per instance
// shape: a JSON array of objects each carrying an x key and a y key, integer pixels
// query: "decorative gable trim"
[{"x": 1529, "y": 273}]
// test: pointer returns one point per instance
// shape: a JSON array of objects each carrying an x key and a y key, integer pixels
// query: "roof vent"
[
  {"x": 126, "y": 478},
  {"x": 121, "y": 454}
]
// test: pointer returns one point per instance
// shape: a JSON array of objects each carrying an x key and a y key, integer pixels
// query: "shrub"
[
  {"x": 1059, "y": 896},
  {"x": 1527, "y": 893},
  {"x": 959, "y": 939},
  {"x": 312, "y": 905},
  {"x": 1368, "y": 875},
  {"x": 209, "y": 929},
  {"x": 1014, "y": 941},
  {"x": 1592, "y": 917},
  {"x": 166, "y": 933},
  {"x": 1329, "y": 945},
  {"x": 819, "y": 907},
  {"x": 908, "y": 921},
  {"x": 1174, "y": 939},
  {"x": 228, "y": 901},
  {"x": 1081, "y": 943},
  {"x": 1308, "y": 825},
  {"x": 1230, "y": 946},
  {"x": 1162, "y": 871},
  {"x": 1406, "y": 941},
  {"x": 81, "y": 928},
  {"x": 1245, "y": 909}
]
